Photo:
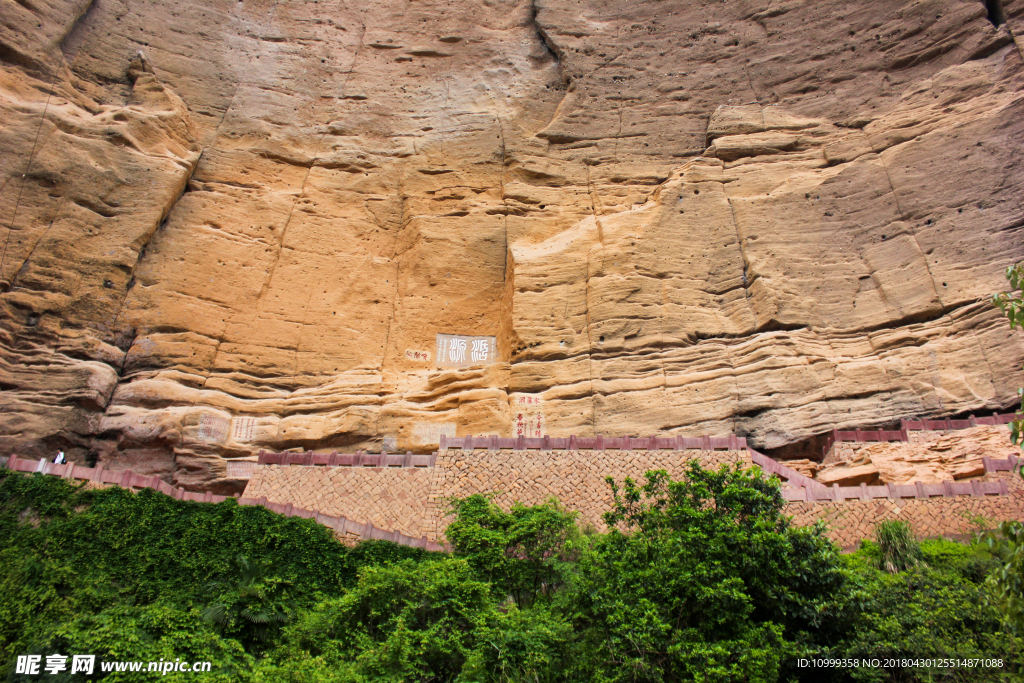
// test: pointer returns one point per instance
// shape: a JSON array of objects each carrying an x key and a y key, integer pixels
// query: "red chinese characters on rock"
[{"x": 530, "y": 426}]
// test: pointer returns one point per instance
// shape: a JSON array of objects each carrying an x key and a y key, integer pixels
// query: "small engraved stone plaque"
[
  {"x": 243, "y": 428},
  {"x": 458, "y": 351},
  {"x": 429, "y": 433},
  {"x": 241, "y": 469},
  {"x": 213, "y": 428}
]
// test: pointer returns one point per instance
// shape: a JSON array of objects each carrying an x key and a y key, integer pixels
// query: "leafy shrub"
[
  {"x": 701, "y": 579},
  {"x": 525, "y": 553},
  {"x": 933, "y": 610},
  {"x": 1007, "y": 581},
  {"x": 899, "y": 548}
]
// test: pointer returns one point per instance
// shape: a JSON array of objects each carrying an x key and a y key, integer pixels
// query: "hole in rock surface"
[
  {"x": 809, "y": 449},
  {"x": 995, "y": 12}
]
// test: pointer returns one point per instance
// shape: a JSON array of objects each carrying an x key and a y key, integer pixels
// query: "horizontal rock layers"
[
  {"x": 928, "y": 458},
  {"x": 239, "y": 225}
]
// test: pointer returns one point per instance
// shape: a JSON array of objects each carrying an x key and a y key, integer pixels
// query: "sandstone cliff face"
[
  {"x": 754, "y": 217},
  {"x": 929, "y": 458}
]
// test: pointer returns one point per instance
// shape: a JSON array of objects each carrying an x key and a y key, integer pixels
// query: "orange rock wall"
[
  {"x": 759, "y": 218},
  {"x": 928, "y": 456}
]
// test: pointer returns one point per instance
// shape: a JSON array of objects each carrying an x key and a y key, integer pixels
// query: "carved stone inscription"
[
  {"x": 243, "y": 429},
  {"x": 458, "y": 351},
  {"x": 527, "y": 415},
  {"x": 213, "y": 428},
  {"x": 429, "y": 433}
]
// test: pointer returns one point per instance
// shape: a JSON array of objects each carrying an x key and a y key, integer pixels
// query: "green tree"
[
  {"x": 252, "y": 606},
  {"x": 148, "y": 634},
  {"x": 525, "y": 553},
  {"x": 702, "y": 579},
  {"x": 1007, "y": 581},
  {"x": 1012, "y": 305},
  {"x": 932, "y": 611},
  {"x": 401, "y": 622}
]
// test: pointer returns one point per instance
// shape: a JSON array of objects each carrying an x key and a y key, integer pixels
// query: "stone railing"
[
  {"x": 901, "y": 434},
  {"x": 357, "y": 459},
  {"x": 545, "y": 443},
  {"x": 594, "y": 443},
  {"x": 98, "y": 475},
  {"x": 130, "y": 480},
  {"x": 947, "y": 489},
  {"x": 773, "y": 466},
  {"x": 343, "y": 526}
]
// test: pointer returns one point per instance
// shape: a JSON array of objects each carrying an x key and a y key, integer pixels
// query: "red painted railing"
[
  {"x": 357, "y": 459},
  {"x": 862, "y": 436},
  {"x": 945, "y": 489},
  {"x": 594, "y": 443}
]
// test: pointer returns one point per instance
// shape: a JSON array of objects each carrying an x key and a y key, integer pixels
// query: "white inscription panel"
[
  {"x": 213, "y": 428},
  {"x": 458, "y": 351},
  {"x": 429, "y": 433},
  {"x": 243, "y": 429},
  {"x": 527, "y": 415}
]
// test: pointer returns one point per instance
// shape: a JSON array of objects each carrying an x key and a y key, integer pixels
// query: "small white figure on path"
[{"x": 59, "y": 460}]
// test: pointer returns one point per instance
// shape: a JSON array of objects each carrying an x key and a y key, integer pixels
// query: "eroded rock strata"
[{"x": 239, "y": 225}]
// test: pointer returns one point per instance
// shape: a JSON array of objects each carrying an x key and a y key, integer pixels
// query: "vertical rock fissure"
[
  {"x": 549, "y": 45},
  {"x": 305, "y": 177},
  {"x": 75, "y": 25},
  {"x": 152, "y": 235},
  {"x": 4, "y": 286},
  {"x": 586, "y": 304},
  {"x": 903, "y": 218},
  {"x": 995, "y": 11}
]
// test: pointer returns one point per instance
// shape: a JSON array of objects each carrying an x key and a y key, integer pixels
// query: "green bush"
[
  {"x": 525, "y": 553},
  {"x": 702, "y": 579},
  {"x": 899, "y": 549},
  {"x": 935, "y": 609}
]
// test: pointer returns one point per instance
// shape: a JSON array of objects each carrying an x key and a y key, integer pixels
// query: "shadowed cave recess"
[{"x": 241, "y": 226}]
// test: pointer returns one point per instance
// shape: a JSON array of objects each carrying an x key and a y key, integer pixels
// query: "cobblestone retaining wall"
[
  {"x": 413, "y": 500},
  {"x": 388, "y": 497},
  {"x": 849, "y": 521}
]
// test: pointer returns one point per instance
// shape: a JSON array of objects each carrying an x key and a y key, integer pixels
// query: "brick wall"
[
  {"x": 387, "y": 497},
  {"x": 849, "y": 521},
  {"x": 413, "y": 500}
]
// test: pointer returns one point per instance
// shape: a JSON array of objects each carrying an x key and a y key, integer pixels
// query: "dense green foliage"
[
  {"x": 1008, "y": 544},
  {"x": 1012, "y": 305},
  {"x": 701, "y": 579},
  {"x": 1007, "y": 580}
]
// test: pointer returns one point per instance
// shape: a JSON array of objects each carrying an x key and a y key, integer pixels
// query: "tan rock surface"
[
  {"x": 746, "y": 217},
  {"x": 931, "y": 457}
]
